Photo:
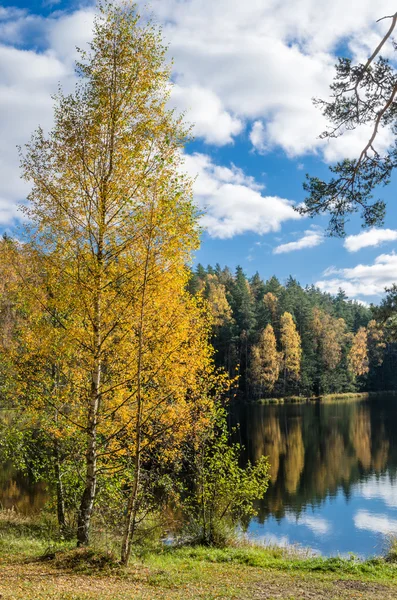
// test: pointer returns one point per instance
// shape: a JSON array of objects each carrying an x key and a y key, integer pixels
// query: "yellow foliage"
[
  {"x": 329, "y": 336},
  {"x": 376, "y": 343},
  {"x": 110, "y": 339},
  {"x": 358, "y": 355},
  {"x": 271, "y": 302},
  {"x": 291, "y": 345},
  {"x": 220, "y": 308},
  {"x": 265, "y": 361}
]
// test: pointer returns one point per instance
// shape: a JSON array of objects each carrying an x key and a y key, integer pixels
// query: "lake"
[{"x": 333, "y": 473}]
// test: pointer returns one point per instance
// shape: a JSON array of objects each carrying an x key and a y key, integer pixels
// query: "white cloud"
[
  {"x": 204, "y": 110},
  {"x": 264, "y": 61},
  {"x": 234, "y": 202},
  {"x": 253, "y": 64},
  {"x": 310, "y": 239},
  {"x": 318, "y": 525},
  {"x": 382, "y": 488},
  {"x": 258, "y": 136},
  {"x": 362, "y": 280},
  {"x": 372, "y": 237},
  {"x": 374, "y": 522},
  {"x": 27, "y": 80},
  {"x": 70, "y": 31}
]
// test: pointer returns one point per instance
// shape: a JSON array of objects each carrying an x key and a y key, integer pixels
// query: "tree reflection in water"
[
  {"x": 317, "y": 449},
  {"x": 19, "y": 493}
]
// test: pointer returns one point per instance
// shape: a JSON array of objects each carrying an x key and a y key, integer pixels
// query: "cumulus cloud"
[
  {"x": 372, "y": 237},
  {"x": 362, "y": 280},
  {"x": 375, "y": 522},
  {"x": 27, "y": 80},
  {"x": 266, "y": 60},
  {"x": 250, "y": 64},
  {"x": 310, "y": 239},
  {"x": 258, "y": 136},
  {"x": 204, "y": 110},
  {"x": 234, "y": 203}
]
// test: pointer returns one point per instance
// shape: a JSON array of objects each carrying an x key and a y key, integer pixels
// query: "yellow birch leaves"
[
  {"x": 291, "y": 345},
  {"x": 265, "y": 361}
]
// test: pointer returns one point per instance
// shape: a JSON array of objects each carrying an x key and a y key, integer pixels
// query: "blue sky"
[{"x": 245, "y": 73}]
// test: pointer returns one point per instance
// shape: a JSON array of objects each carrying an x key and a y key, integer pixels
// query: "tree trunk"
[
  {"x": 88, "y": 498},
  {"x": 60, "y": 491},
  {"x": 132, "y": 509}
]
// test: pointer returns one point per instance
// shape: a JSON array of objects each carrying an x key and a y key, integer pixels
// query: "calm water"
[
  {"x": 17, "y": 492},
  {"x": 333, "y": 474}
]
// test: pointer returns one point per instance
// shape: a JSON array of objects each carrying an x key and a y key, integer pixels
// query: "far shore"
[{"x": 326, "y": 398}]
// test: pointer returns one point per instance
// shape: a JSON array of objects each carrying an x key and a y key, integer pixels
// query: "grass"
[
  {"x": 347, "y": 396},
  {"x": 36, "y": 565}
]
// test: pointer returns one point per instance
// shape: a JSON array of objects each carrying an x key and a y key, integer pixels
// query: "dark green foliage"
[
  {"x": 362, "y": 94},
  {"x": 233, "y": 339}
]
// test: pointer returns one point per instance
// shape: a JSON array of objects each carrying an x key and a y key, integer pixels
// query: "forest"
[
  {"x": 119, "y": 364},
  {"x": 286, "y": 340}
]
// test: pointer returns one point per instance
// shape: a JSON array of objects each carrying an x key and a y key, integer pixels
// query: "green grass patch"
[
  {"x": 49, "y": 568},
  {"x": 347, "y": 396},
  {"x": 289, "y": 559}
]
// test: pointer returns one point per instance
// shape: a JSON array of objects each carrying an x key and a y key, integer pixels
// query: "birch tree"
[
  {"x": 113, "y": 225},
  {"x": 291, "y": 347}
]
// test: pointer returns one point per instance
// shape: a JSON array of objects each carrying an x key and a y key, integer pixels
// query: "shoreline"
[
  {"x": 342, "y": 397},
  {"x": 36, "y": 567}
]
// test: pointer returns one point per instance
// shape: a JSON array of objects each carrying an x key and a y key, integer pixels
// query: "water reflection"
[
  {"x": 18, "y": 493},
  {"x": 333, "y": 472}
]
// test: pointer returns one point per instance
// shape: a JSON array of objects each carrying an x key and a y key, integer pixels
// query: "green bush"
[{"x": 219, "y": 494}]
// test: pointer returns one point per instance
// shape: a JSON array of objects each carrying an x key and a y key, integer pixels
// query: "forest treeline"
[{"x": 285, "y": 339}]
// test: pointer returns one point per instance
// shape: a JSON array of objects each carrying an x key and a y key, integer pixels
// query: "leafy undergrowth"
[
  {"x": 28, "y": 536},
  {"x": 83, "y": 560}
]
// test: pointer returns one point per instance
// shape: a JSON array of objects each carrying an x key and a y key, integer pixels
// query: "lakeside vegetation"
[
  {"x": 105, "y": 355},
  {"x": 36, "y": 565},
  {"x": 344, "y": 397}
]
